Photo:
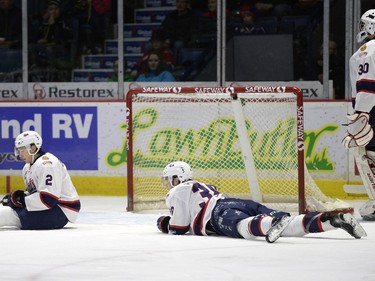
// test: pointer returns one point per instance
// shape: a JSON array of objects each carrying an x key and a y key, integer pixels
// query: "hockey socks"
[
  {"x": 254, "y": 226},
  {"x": 262, "y": 225}
]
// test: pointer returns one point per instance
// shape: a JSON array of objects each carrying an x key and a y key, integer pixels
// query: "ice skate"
[
  {"x": 277, "y": 228},
  {"x": 348, "y": 223}
]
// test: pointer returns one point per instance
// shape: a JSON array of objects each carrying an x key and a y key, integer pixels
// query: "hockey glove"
[
  {"x": 360, "y": 132},
  {"x": 163, "y": 223},
  {"x": 14, "y": 199}
]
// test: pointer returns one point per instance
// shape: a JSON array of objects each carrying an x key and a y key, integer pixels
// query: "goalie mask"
[
  {"x": 179, "y": 170},
  {"x": 26, "y": 139},
  {"x": 366, "y": 25}
]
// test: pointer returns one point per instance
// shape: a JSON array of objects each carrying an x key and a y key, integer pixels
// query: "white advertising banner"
[
  {"x": 325, "y": 156},
  {"x": 91, "y": 137},
  {"x": 11, "y": 91},
  {"x": 72, "y": 91},
  {"x": 311, "y": 89},
  {"x": 109, "y": 90}
]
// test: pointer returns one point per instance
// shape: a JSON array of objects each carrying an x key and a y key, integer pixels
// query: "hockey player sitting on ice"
[
  {"x": 360, "y": 135},
  {"x": 202, "y": 210},
  {"x": 51, "y": 200}
]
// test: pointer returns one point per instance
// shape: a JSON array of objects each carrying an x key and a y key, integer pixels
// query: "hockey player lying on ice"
[
  {"x": 202, "y": 210},
  {"x": 51, "y": 200}
]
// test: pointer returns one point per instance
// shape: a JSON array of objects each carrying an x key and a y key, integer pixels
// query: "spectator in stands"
[
  {"x": 248, "y": 24},
  {"x": 208, "y": 25},
  {"x": 156, "y": 70},
  {"x": 54, "y": 29},
  {"x": 271, "y": 8},
  {"x": 158, "y": 43},
  {"x": 209, "y": 19},
  {"x": 10, "y": 25},
  {"x": 53, "y": 44},
  {"x": 92, "y": 20},
  {"x": 308, "y": 7},
  {"x": 128, "y": 76},
  {"x": 180, "y": 27},
  {"x": 336, "y": 69}
]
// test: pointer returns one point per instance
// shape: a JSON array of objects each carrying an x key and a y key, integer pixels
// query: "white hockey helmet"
[
  {"x": 177, "y": 169},
  {"x": 366, "y": 25},
  {"x": 26, "y": 139}
]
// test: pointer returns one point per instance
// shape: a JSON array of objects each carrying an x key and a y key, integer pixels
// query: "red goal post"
[{"x": 248, "y": 141}]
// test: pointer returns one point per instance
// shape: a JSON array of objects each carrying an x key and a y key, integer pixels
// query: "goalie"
[
  {"x": 360, "y": 134},
  {"x": 200, "y": 209}
]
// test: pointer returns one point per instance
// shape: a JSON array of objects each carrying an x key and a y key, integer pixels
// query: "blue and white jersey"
[
  {"x": 190, "y": 205},
  {"x": 362, "y": 77},
  {"x": 48, "y": 183}
]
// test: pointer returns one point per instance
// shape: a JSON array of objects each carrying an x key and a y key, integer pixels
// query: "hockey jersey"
[
  {"x": 190, "y": 205},
  {"x": 362, "y": 77},
  {"x": 48, "y": 183}
]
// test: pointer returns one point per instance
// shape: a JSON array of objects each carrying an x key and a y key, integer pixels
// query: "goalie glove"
[
  {"x": 359, "y": 132},
  {"x": 14, "y": 199},
  {"x": 163, "y": 223}
]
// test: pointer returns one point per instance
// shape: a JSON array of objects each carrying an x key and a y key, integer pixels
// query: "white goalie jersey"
[
  {"x": 362, "y": 77},
  {"x": 190, "y": 205},
  {"x": 48, "y": 183}
]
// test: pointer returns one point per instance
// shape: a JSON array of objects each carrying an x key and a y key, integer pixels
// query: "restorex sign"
[
  {"x": 81, "y": 91},
  {"x": 67, "y": 132}
]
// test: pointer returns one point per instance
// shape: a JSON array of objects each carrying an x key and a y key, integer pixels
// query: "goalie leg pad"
[
  {"x": 366, "y": 168},
  {"x": 367, "y": 211},
  {"x": 359, "y": 132}
]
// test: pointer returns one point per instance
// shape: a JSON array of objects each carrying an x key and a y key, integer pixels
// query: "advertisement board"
[
  {"x": 73, "y": 91},
  {"x": 83, "y": 89},
  {"x": 312, "y": 90},
  {"x": 90, "y": 138},
  {"x": 66, "y": 130},
  {"x": 11, "y": 91}
]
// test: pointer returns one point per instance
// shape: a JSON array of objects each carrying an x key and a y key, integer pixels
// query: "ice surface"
[{"x": 108, "y": 243}]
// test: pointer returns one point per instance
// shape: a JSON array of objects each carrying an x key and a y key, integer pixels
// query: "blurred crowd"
[{"x": 60, "y": 32}]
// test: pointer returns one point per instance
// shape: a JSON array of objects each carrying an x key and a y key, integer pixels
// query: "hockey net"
[{"x": 247, "y": 141}]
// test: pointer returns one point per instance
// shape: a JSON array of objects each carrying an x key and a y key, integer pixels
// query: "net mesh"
[{"x": 201, "y": 130}]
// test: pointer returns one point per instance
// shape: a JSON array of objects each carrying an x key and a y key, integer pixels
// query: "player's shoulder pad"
[
  {"x": 181, "y": 188},
  {"x": 186, "y": 184},
  {"x": 368, "y": 47},
  {"x": 47, "y": 160}
]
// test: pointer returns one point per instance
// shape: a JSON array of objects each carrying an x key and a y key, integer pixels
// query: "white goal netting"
[{"x": 247, "y": 142}]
